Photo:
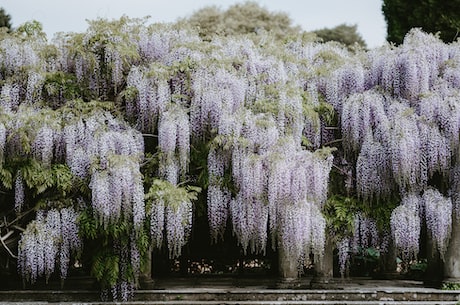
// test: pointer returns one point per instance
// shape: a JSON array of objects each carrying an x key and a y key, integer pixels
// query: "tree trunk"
[{"x": 452, "y": 256}]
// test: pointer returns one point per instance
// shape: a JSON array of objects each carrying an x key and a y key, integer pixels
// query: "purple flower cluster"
[
  {"x": 3, "y": 136},
  {"x": 118, "y": 192},
  {"x": 217, "y": 95},
  {"x": 43, "y": 145},
  {"x": 178, "y": 220},
  {"x": 34, "y": 87},
  {"x": 405, "y": 226},
  {"x": 19, "y": 192},
  {"x": 438, "y": 213},
  {"x": 373, "y": 170},
  {"x": 18, "y": 53},
  {"x": 365, "y": 233},
  {"x": 153, "y": 94},
  {"x": 157, "y": 223},
  {"x": 174, "y": 143},
  {"x": 9, "y": 97},
  {"x": 47, "y": 243},
  {"x": 343, "y": 247}
]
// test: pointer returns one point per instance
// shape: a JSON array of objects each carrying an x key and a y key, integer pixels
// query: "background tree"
[
  {"x": 245, "y": 18},
  {"x": 430, "y": 15},
  {"x": 343, "y": 33},
  {"x": 5, "y": 19}
]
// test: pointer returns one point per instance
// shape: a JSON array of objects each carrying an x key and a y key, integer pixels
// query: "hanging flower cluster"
[
  {"x": 438, "y": 213},
  {"x": 48, "y": 243},
  {"x": 405, "y": 226},
  {"x": 343, "y": 247},
  {"x": 19, "y": 192},
  {"x": 403, "y": 132},
  {"x": 262, "y": 109},
  {"x": 117, "y": 192},
  {"x": 174, "y": 143},
  {"x": 151, "y": 97},
  {"x": 292, "y": 180},
  {"x": 365, "y": 233},
  {"x": 170, "y": 212}
]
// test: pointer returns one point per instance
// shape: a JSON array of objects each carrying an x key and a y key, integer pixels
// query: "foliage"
[
  {"x": 428, "y": 15},
  {"x": 343, "y": 33},
  {"x": 238, "y": 19},
  {"x": 340, "y": 215},
  {"x": 450, "y": 286},
  {"x": 5, "y": 19}
]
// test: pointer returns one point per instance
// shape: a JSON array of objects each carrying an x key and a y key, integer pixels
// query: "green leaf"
[{"x": 6, "y": 177}]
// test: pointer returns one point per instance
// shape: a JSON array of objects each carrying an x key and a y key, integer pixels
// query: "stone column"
[
  {"x": 145, "y": 278},
  {"x": 388, "y": 262},
  {"x": 434, "y": 271},
  {"x": 324, "y": 267},
  {"x": 452, "y": 256},
  {"x": 288, "y": 271}
]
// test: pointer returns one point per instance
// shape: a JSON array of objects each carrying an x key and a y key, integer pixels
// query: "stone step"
[
  {"x": 312, "y": 302},
  {"x": 232, "y": 291},
  {"x": 246, "y": 296}
]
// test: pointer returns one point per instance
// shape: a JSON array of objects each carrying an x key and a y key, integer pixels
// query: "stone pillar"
[
  {"x": 452, "y": 256},
  {"x": 324, "y": 267},
  {"x": 288, "y": 267},
  {"x": 145, "y": 278},
  {"x": 434, "y": 271},
  {"x": 388, "y": 262}
]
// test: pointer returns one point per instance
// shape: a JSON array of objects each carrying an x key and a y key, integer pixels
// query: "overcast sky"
[{"x": 71, "y": 15}]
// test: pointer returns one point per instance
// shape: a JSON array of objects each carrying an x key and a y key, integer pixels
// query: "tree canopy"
[
  {"x": 5, "y": 19},
  {"x": 239, "y": 19},
  {"x": 343, "y": 33},
  {"x": 431, "y": 16}
]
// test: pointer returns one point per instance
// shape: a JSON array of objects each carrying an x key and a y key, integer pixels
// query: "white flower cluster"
[
  {"x": 17, "y": 53},
  {"x": 293, "y": 181},
  {"x": 343, "y": 247},
  {"x": 9, "y": 97},
  {"x": 178, "y": 220},
  {"x": 98, "y": 136},
  {"x": 152, "y": 96}
]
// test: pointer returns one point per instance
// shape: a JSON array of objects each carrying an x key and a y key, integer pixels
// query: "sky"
[{"x": 71, "y": 15}]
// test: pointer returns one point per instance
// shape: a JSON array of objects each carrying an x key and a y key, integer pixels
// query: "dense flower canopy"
[{"x": 105, "y": 122}]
